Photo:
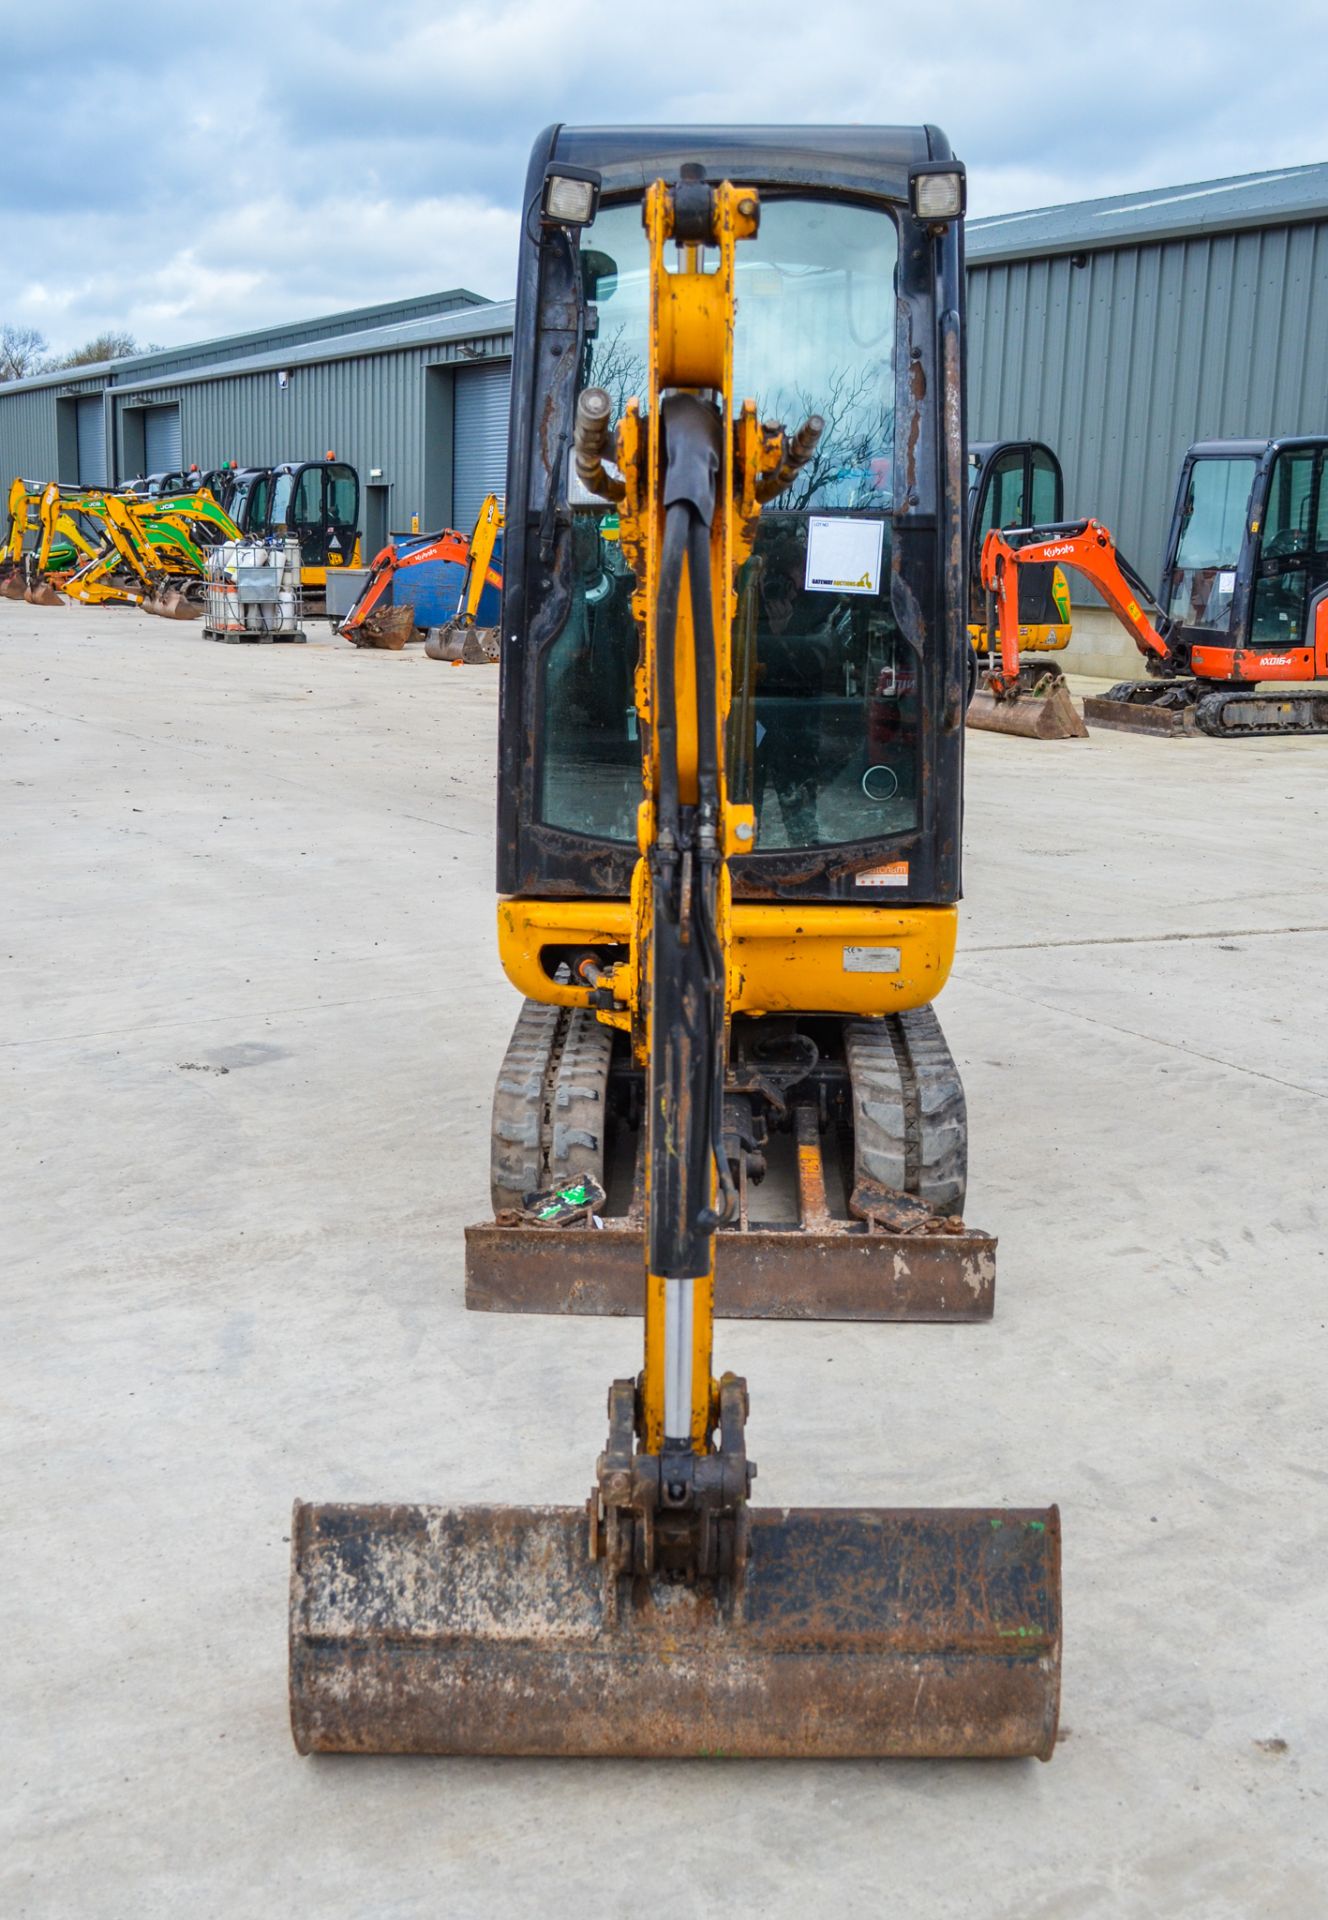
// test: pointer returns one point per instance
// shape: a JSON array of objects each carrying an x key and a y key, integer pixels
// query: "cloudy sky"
[{"x": 292, "y": 159}]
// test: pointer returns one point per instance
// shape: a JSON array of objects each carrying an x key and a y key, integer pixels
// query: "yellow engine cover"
[{"x": 784, "y": 959}]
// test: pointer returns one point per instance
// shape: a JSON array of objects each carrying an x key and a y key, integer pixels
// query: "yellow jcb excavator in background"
[
  {"x": 316, "y": 502},
  {"x": 703, "y": 861},
  {"x": 148, "y": 556},
  {"x": 20, "y": 575},
  {"x": 472, "y": 636}
]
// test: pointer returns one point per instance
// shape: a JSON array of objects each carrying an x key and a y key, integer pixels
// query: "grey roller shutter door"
[
  {"x": 161, "y": 439},
  {"x": 91, "y": 423},
  {"x": 479, "y": 439}
]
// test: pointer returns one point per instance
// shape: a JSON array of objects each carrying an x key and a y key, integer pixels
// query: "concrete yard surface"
[{"x": 251, "y": 1021}]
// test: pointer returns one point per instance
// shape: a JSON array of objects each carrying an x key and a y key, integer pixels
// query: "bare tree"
[
  {"x": 620, "y": 370},
  {"x": 110, "y": 345},
  {"x": 22, "y": 351},
  {"x": 853, "y": 454}
]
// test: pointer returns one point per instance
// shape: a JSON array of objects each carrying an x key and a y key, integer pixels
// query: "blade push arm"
[{"x": 1086, "y": 547}]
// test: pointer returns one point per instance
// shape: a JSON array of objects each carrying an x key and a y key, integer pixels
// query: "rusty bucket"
[
  {"x": 389, "y": 629},
  {"x": 1041, "y": 708},
  {"x": 42, "y": 594},
  {"x": 173, "y": 603},
  {"x": 928, "y": 1633}
]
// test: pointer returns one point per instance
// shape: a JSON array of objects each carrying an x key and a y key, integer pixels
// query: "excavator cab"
[
  {"x": 844, "y": 736},
  {"x": 1243, "y": 598},
  {"x": 1017, "y": 483},
  {"x": 319, "y": 502},
  {"x": 733, "y": 674},
  {"x": 315, "y": 501},
  {"x": 1248, "y": 545}
]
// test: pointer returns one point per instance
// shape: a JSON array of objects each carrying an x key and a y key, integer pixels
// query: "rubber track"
[
  {"x": 1215, "y": 713},
  {"x": 549, "y": 1102},
  {"x": 910, "y": 1120}
]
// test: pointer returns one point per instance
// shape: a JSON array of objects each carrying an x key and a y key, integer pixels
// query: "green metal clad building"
[
  {"x": 1119, "y": 329},
  {"x": 414, "y": 394}
]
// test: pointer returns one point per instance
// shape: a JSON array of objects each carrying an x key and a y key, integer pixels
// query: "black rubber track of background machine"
[
  {"x": 549, "y": 1103},
  {"x": 1238, "y": 715},
  {"x": 910, "y": 1120}
]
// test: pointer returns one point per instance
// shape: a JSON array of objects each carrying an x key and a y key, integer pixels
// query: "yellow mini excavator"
[{"x": 692, "y": 859}]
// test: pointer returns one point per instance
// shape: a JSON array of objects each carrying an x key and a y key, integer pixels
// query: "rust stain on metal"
[
  {"x": 844, "y": 1270},
  {"x": 489, "y": 1630}
]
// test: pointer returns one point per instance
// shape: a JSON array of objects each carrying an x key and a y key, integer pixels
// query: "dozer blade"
[
  {"x": 1041, "y": 711},
  {"x": 931, "y": 1633},
  {"x": 1146, "y": 708},
  {"x": 837, "y": 1270}
]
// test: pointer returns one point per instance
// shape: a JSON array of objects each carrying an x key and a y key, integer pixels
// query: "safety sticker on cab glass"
[
  {"x": 893, "y": 875},
  {"x": 871, "y": 959}
]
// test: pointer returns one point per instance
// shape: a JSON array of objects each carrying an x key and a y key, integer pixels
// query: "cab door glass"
[
  {"x": 1047, "y": 506},
  {"x": 1005, "y": 504},
  {"x": 343, "y": 512},
  {"x": 1038, "y": 604},
  {"x": 1213, "y": 514},
  {"x": 306, "y": 518},
  {"x": 825, "y": 720},
  {"x": 1282, "y": 587},
  {"x": 259, "y": 516},
  {"x": 283, "y": 486}
]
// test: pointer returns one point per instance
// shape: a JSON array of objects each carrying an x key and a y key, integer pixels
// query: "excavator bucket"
[
  {"x": 172, "y": 604},
  {"x": 446, "y": 643},
  {"x": 42, "y": 594},
  {"x": 931, "y": 1634},
  {"x": 11, "y": 586},
  {"x": 1041, "y": 709},
  {"x": 389, "y": 629}
]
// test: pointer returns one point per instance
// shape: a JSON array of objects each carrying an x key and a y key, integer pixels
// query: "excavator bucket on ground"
[
  {"x": 489, "y": 1630},
  {"x": 173, "y": 603},
  {"x": 668, "y": 1618},
  {"x": 42, "y": 594},
  {"x": 1041, "y": 709}
]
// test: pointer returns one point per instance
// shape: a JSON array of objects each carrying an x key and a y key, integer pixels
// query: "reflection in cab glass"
[
  {"x": 823, "y": 731},
  {"x": 1203, "y": 578}
]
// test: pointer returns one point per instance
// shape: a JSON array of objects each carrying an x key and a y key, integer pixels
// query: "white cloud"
[{"x": 366, "y": 157}]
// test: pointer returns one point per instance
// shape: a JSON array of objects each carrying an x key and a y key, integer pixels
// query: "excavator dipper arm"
[{"x": 1086, "y": 547}]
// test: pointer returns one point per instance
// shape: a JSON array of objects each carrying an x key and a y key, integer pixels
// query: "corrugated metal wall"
[
  {"x": 1122, "y": 362},
  {"x": 368, "y": 410},
  {"x": 28, "y": 443}
]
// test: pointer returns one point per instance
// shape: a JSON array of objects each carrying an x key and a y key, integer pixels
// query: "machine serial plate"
[{"x": 871, "y": 959}]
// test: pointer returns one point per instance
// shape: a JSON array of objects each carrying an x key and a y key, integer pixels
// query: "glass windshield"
[
  {"x": 307, "y": 503},
  {"x": 282, "y": 487},
  {"x": 260, "y": 505},
  {"x": 343, "y": 495},
  {"x": 1045, "y": 508},
  {"x": 1203, "y": 576},
  {"x": 824, "y": 728}
]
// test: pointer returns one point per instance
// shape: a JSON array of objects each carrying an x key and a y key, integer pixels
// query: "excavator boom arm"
[{"x": 1087, "y": 548}]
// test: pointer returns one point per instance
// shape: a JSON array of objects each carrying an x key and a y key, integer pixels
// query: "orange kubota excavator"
[{"x": 1204, "y": 677}]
